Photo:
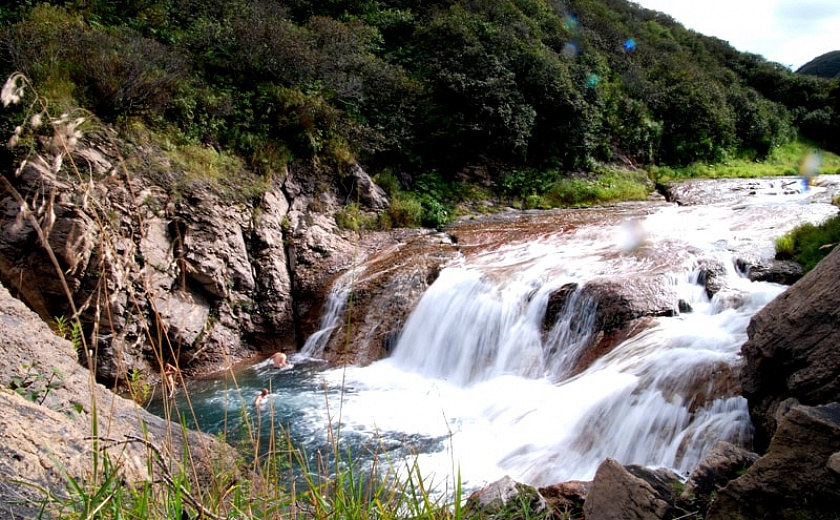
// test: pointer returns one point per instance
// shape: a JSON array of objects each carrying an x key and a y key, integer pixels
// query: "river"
[{"x": 476, "y": 386}]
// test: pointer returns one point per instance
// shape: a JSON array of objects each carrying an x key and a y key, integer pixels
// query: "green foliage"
[
  {"x": 782, "y": 160},
  {"x": 609, "y": 187},
  {"x": 353, "y": 218},
  {"x": 808, "y": 244},
  {"x": 406, "y": 210},
  {"x": 508, "y": 85},
  {"x": 33, "y": 384},
  {"x": 138, "y": 388},
  {"x": 69, "y": 330}
]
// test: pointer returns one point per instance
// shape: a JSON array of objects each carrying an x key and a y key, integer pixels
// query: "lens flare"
[
  {"x": 809, "y": 167},
  {"x": 593, "y": 80},
  {"x": 570, "y": 50},
  {"x": 629, "y": 45}
]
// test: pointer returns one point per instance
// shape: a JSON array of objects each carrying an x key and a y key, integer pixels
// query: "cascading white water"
[
  {"x": 472, "y": 369},
  {"x": 477, "y": 387}
]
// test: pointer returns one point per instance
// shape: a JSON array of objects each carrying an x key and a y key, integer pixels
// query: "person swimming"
[
  {"x": 261, "y": 398},
  {"x": 279, "y": 360}
]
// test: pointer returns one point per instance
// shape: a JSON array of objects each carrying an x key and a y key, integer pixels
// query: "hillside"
[
  {"x": 483, "y": 86},
  {"x": 824, "y": 66}
]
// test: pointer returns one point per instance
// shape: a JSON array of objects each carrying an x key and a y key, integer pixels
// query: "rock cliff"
[{"x": 163, "y": 264}]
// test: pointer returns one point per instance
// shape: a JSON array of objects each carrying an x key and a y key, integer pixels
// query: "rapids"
[{"x": 475, "y": 386}]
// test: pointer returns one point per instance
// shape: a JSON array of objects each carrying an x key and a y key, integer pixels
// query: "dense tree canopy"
[{"x": 417, "y": 86}]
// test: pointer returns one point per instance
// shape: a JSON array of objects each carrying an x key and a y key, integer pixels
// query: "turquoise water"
[{"x": 306, "y": 403}]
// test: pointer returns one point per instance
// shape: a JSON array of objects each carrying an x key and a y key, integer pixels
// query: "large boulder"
[
  {"x": 507, "y": 499},
  {"x": 793, "y": 351},
  {"x": 795, "y": 478},
  {"x": 52, "y": 409}
]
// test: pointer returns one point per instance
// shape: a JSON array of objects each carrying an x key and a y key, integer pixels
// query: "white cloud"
[{"x": 790, "y": 32}]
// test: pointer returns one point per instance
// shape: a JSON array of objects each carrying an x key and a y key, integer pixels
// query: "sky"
[{"x": 790, "y": 32}]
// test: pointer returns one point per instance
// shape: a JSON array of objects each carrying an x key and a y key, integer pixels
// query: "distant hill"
[{"x": 825, "y": 66}]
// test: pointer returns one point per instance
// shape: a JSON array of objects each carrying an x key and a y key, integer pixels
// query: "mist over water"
[{"x": 476, "y": 386}]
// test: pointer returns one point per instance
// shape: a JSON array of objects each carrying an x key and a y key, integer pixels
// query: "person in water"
[
  {"x": 261, "y": 398},
  {"x": 279, "y": 360},
  {"x": 169, "y": 373}
]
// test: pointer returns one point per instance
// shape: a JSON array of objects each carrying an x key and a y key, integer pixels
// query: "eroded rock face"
[
  {"x": 793, "y": 351},
  {"x": 385, "y": 292},
  {"x": 146, "y": 254},
  {"x": 793, "y": 479},
  {"x": 46, "y": 424}
]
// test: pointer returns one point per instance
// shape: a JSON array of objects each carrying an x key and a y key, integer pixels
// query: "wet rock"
[
  {"x": 784, "y": 272},
  {"x": 558, "y": 304},
  {"x": 385, "y": 293},
  {"x": 793, "y": 479},
  {"x": 728, "y": 299},
  {"x": 711, "y": 274},
  {"x": 724, "y": 463},
  {"x": 793, "y": 350},
  {"x": 623, "y": 300},
  {"x": 631, "y": 492},
  {"x": 604, "y": 312}
]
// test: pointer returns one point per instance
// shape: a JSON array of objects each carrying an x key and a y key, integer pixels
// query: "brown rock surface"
[
  {"x": 793, "y": 479},
  {"x": 724, "y": 463},
  {"x": 47, "y": 401},
  {"x": 793, "y": 351},
  {"x": 630, "y": 492}
]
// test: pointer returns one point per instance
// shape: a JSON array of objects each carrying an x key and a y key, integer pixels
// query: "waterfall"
[
  {"x": 331, "y": 316},
  {"x": 483, "y": 378}
]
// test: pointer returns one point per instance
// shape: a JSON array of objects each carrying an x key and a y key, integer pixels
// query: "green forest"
[{"x": 525, "y": 92}]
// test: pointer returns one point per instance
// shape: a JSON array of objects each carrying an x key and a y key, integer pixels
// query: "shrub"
[
  {"x": 352, "y": 217},
  {"x": 808, "y": 244},
  {"x": 406, "y": 210}
]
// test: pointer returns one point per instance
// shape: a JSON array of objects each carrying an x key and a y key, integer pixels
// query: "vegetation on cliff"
[{"x": 519, "y": 96}]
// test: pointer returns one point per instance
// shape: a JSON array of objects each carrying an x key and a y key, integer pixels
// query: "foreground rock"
[
  {"x": 631, "y": 492},
  {"x": 793, "y": 351},
  {"x": 795, "y": 478},
  {"x": 48, "y": 418}
]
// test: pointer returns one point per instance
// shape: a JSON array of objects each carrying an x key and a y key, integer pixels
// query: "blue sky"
[{"x": 790, "y": 32}]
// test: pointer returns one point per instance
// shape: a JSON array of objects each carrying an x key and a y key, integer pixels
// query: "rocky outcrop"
[
  {"x": 605, "y": 312},
  {"x": 631, "y": 492},
  {"x": 793, "y": 351},
  {"x": 164, "y": 265},
  {"x": 794, "y": 479},
  {"x": 387, "y": 289},
  {"x": 506, "y": 499},
  {"x": 50, "y": 406}
]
